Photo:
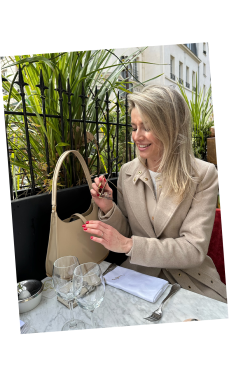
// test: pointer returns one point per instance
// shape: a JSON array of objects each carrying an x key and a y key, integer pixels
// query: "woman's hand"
[
  {"x": 104, "y": 204},
  {"x": 108, "y": 236}
]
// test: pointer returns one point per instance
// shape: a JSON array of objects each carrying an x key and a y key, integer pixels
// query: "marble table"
[{"x": 122, "y": 309}]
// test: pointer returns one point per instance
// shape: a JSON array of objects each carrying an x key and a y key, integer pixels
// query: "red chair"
[{"x": 215, "y": 250}]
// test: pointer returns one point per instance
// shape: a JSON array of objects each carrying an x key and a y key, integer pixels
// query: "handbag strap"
[
  {"x": 57, "y": 169},
  {"x": 81, "y": 217}
]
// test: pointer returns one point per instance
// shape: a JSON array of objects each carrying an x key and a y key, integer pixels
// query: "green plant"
[
  {"x": 202, "y": 118},
  {"x": 85, "y": 67}
]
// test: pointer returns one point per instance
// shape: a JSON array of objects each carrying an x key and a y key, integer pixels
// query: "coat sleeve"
[
  {"x": 117, "y": 217},
  {"x": 190, "y": 248}
]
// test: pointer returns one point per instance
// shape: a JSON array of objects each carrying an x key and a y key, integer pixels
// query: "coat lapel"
[
  {"x": 165, "y": 209},
  {"x": 135, "y": 191},
  {"x": 136, "y": 175}
]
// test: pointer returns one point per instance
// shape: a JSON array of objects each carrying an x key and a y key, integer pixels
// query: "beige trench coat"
[{"x": 173, "y": 242}]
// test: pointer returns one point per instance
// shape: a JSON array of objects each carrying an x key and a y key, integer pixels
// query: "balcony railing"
[
  {"x": 193, "y": 88},
  {"x": 172, "y": 76},
  {"x": 31, "y": 182},
  {"x": 181, "y": 81},
  {"x": 188, "y": 85}
]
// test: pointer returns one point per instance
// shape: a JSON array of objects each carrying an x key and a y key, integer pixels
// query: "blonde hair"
[{"x": 168, "y": 116}]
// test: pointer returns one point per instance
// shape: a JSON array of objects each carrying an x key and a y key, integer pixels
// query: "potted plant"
[{"x": 202, "y": 119}]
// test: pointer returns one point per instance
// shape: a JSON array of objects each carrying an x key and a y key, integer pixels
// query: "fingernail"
[
  {"x": 100, "y": 178},
  {"x": 97, "y": 195},
  {"x": 83, "y": 225},
  {"x": 84, "y": 228},
  {"x": 91, "y": 238},
  {"x": 87, "y": 222}
]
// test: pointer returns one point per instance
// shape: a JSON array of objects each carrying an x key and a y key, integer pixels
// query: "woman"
[{"x": 166, "y": 198}]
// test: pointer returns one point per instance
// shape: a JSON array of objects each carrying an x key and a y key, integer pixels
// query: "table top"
[{"x": 123, "y": 309}]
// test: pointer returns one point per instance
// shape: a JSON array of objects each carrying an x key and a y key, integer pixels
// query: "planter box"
[
  {"x": 211, "y": 150},
  {"x": 31, "y": 223}
]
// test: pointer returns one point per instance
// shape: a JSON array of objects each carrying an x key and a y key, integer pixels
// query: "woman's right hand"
[{"x": 104, "y": 204}]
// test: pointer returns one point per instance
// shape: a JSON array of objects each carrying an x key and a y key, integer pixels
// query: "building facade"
[{"x": 179, "y": 62}]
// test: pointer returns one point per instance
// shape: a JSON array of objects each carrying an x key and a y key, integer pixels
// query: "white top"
[{"x": 153, "y": 175}]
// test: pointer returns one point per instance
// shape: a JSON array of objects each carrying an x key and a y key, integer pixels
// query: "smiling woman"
[
  {"x": 148, "y": 145},
  {"x": 167, "y": 119},
  {"x": 166, "y": 198}
]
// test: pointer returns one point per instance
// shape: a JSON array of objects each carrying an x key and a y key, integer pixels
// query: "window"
[
  {"x": 172, "y": 67},
  {"x": 187, "y": 77},
  {"x": 192, "y": 47},
  {"x": 204, "y": 90},
  {"x": 135, "y": 69},
  {"x": 204, "y": 70},
  {"x": 204, "y": 49},
  {"x": 127, "y": 74},
  {"x": 181, "y": 73},
  {"x": 193, "y": 81}
]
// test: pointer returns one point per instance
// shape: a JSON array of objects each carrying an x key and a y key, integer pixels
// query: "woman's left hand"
[{"x": 108, "y": 236}]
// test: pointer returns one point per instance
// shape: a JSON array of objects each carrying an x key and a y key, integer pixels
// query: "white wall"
[{"x": 161, "y": 55}]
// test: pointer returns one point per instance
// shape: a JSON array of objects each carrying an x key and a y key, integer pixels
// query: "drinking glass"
[
  {"x": 63, "y": 269},
  {"x": 89, "y": 288}
]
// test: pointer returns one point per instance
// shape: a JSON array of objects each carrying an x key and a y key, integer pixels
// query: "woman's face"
[{"x": 148, "y": 145}]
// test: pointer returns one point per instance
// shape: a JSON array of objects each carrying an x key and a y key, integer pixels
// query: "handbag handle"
[{"x": 57, "y": 170}]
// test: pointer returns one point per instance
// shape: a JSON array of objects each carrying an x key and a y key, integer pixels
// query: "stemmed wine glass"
[
  {"x": 63, "y": 269},
  {"x": 89, "y": 287}
]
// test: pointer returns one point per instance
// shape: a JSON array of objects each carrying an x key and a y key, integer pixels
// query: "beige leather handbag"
[{"x": 68, "y": 238}]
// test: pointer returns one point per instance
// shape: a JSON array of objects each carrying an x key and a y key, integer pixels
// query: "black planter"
[{"x": 31, "y": 223}]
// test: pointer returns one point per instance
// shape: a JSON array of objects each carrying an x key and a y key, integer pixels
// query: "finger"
[
  {"x": 96, "y": 181},
  {"x": 99, "y": 179},
  {"x": 95, "y": 187},
  {"x": 96, "y": 227},
  {"x": 96, "y": 232},
  {"x": 97, "y": 224},
  {"x": 94, "y": 193},
  {"x": 98, "y": 184},
  {"x": 100, "y": 240},
  {"x": 102, "y": 181}
]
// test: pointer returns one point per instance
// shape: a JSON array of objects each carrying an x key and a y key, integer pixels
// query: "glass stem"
[{"x": 71, "y": 311}]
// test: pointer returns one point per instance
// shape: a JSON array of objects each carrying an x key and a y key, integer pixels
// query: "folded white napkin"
[
  {"x": 21, "y": 323},
  {"x": 149, "y": 288}
]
